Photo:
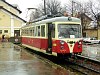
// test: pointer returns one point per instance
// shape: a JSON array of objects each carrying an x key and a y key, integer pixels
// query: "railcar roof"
[{"x": 59, "y": 19}]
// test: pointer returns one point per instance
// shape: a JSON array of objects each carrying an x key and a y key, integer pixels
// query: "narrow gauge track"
[
  {"x": 85, "y": 65},
  {"x": 78, "y": 63}
]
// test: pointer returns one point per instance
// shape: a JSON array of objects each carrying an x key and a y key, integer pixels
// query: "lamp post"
[
  {"x": 72, "y": 7},
  {"x": 44, "y": 7},
  {"x": 28, "y": 9},
  {"x": 98, "y": 23},
  {"x": 32, "y": 8},
  {"x": 81, "y": 13}
]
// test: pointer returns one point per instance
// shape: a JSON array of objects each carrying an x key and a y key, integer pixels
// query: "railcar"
[{"x": 54, "y": 36}]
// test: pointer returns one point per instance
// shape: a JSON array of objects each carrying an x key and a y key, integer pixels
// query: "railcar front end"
[{"x": 68, "y": 39}]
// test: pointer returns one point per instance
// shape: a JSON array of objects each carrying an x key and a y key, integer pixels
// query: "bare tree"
[
  {"x": 90, "y": 8},
  {"x": 98, "y": 1},
  {"x": 94, "y": 10},
  {"x": 73, "y": 7},
  {"x": 37, "y": 13},
  {"x": 34, "y": 15},
  {"x": 53, "y": 7}
]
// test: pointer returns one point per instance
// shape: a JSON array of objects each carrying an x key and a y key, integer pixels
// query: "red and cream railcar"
[{"x": 54, "y": 36}]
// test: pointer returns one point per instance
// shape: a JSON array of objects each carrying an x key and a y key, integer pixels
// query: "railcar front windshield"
[{"x": 69, "y": 31}]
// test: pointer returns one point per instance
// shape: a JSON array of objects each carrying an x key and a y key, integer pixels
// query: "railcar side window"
[
  {"x": 43, "y": 31},
  {"x": 27, "y": 33},
  {"x": 22, "y": 32},
  {"x": 30, "y": 31},
  {"x": 53, "y": 31},
  {"x": 33, "y": 31},
  {"x": 37, "y": 31}
]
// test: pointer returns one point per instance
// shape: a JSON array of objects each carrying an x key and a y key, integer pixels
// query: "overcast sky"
[{"x": 24, "y": 4}]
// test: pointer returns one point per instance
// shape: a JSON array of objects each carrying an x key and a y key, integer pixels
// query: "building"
[
  {"x": 86, "y": 28},
  {"x": 10, "y": 22}
]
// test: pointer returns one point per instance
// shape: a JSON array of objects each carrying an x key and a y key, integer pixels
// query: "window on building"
[
  {"x": 84, "y": 34},
  {"x": 16, "y": 33},
  {"x": 0, "y": 31},
  {"x": 43, "y": 31},
  {"x": 5, "y": 31}
]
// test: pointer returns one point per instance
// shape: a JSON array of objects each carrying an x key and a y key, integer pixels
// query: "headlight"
[
  {"x": 62, "y": 47},
  {"x": 62, "y": 42},
  {"x": 80, "y": 42}
]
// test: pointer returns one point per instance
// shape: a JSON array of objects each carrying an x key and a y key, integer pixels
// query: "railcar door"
[{"x": 50, "y": 27}]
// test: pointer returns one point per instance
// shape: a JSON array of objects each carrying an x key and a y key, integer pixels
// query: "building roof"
[
  {"x": 87, "y": 17},
  {"x": 12, "y": 6},
  {"x": 1, "y": 7}
]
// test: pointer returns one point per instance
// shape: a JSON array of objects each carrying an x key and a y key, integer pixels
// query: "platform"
[{"x": 14, "y": 60}]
